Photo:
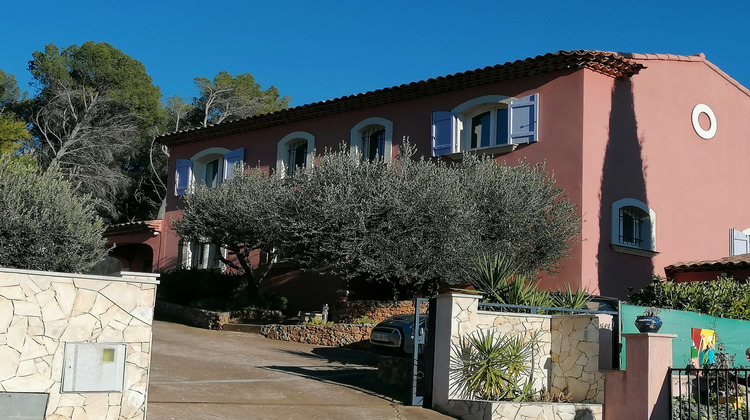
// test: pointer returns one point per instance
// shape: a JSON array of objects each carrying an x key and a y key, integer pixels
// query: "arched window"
[
  {"x": 294, "y": 151},
  {"x": 372, "y": 139},
  {"x": 209, "y": 167},
  {"x": 633, "y": 227},
  {"x": 491, "y": 123}
]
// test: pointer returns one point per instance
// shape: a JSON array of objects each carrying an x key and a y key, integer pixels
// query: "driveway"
[{"x": 203, "y": 374}]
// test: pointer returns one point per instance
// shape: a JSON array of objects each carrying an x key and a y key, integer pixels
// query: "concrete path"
[{"x": 201, "y": 374}]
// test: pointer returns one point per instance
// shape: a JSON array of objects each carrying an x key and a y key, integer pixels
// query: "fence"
[
  {"x": 733, "y": 335},
  {"x": 710, "y": 393}
]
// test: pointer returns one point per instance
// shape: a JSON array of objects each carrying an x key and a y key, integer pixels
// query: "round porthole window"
[{"x": 704, "y": 133}]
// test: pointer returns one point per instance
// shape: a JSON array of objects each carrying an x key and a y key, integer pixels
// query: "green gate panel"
[{"x": 733, "y": 334}]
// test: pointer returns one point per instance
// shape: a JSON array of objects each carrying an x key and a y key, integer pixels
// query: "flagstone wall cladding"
[
  {"x": 346, "y": 312},
  {"x": 568, "y": 359},
  {"x": 575, "y": 358},
  {"x": 488, "y": 410},
  {"x": 41, "y": 311},
  {"x": 334, "y": 335}
]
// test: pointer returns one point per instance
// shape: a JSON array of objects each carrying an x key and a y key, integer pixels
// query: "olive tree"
[
  {"x": 44, "y": 225},
  {"x": 409, "y": 221}
]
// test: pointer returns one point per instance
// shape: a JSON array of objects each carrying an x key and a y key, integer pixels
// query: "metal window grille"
[
  {"x": 633, "y": 227},
  {"x": 297, "y": 156},
  {"x": 373, "y": 144}
]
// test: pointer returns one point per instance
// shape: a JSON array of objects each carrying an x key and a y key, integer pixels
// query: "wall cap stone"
[
  {"x": 138, "y": 277},
  {"x": 655, "y": 335}
]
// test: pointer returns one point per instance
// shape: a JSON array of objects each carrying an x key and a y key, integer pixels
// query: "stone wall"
[
  {"x": 346, "y": 312},
  {"x": 213, "y": 320},
  {"x": 333, "y": 335},
  {"x": 566, "y": 358},
  {"x": 575, "y": 358},
  {"x": 41, "y": 312},
  {"x": 487, "y": 410}
]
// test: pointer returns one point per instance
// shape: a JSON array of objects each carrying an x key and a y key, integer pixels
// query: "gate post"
[{"x": 642, "y": 390}]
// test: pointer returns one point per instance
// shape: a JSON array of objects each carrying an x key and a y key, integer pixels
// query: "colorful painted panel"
[{"x": 703, "y": 346}]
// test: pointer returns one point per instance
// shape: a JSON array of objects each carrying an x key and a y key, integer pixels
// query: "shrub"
[
  {"x": 364, "y": 320},
  {"x": 44, "y": 225},
  {"x": 492, "y": 367},
  {"x": 723, "y": 297}
]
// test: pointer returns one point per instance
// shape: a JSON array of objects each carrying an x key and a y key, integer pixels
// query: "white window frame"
[
  {"x": 282, "y": 149},
  {"x": 355, "y": 143},
  {"x": 648, "y": 245},
  {"x": 188, "y": 250},
  {"x": 195, "y": 167},
  {"x": 465, "y": 112}
]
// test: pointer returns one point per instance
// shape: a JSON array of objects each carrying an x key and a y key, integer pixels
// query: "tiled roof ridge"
[
  {"x": 737, "y": 260},
  {"x": 609, "y": 63}
]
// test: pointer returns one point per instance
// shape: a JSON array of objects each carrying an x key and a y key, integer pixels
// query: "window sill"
[
  {"x": 634, "y": 251},
  {"x": 495, "y": 150}
]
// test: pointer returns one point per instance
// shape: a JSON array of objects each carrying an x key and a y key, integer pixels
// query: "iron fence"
[{"x": 709, "y": 393}]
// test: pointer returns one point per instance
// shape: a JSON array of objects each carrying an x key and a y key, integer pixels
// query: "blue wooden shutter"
[
  {"x": 182, "y": 181},
  {"x": 523, "y": 119},
  {"x": 442, "y": 133},
  {"x": 232, "y": 160},
  {"x": 740, "y": 243}
]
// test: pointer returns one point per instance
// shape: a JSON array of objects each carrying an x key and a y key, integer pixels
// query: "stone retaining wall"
[
  {"x": 213, "y": 320},
  {"x": 346, "y": 312},
  {"x": 332, "y": 335},
  {"x": 498, "y": 410},
  {"x": 41, "y": 313}
]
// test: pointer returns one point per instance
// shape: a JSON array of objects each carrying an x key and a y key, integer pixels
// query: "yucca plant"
[
  {"x": 492, "y": 366},
  {"x": 568, "y": 298},
  {"x": 499, "y": 280}
]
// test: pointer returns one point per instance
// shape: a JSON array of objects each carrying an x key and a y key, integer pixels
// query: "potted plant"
[{"x": 649, "y": 322}]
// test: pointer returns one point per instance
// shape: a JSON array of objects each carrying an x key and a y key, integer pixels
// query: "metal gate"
[{"x": 419, "y": 381}]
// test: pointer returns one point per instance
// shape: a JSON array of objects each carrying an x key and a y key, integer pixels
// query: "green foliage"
[
  {"x": 499, "y": 281},
  {"x": 43, "y": 224},
  {"x": 212, "y": 290},
  {"x": 317, "y": 321},
  {"x": 364, "y": 320},
  {"x": 228, "y": 97},
  {"x": 492, "y": 366},
  {"x": 408, "y": 221},
  {"x": 100, "y": 68},
  {"x": 723, "y": 297},
  {"x": 95, "y": 107},
  {"x": 13, "y": 132}
]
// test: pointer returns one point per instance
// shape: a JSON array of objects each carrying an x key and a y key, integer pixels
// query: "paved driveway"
[{"x": 201, "y": 374}]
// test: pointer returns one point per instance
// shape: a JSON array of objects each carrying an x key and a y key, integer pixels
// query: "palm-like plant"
[
  {"x": 492, "y": 365},
  {"x": 499, "y": 279}
]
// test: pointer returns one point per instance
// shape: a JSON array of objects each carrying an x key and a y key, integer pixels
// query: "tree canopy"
[
  {"x": 44, "y": 225},
  {"x": 410, "y": 221}
]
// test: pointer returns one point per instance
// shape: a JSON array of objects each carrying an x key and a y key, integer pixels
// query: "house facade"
[{"x": 648, "y": 148}]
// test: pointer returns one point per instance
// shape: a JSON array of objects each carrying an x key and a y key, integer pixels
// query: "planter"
[{"x": 648, "y": 324}]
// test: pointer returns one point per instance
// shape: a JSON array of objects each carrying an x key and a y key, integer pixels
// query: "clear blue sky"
[{"x": 318, "y": 50}]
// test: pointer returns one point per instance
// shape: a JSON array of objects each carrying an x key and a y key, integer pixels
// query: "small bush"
[
  {"x": 723, "y": 297},
  {"x": 317, "y": 321},
  {"x": 364, "y": 320}
]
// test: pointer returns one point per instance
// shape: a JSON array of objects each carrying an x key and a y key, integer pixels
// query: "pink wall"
[
  {"x": 690, "y": 183},
  {"x": 604, "y": 140}
]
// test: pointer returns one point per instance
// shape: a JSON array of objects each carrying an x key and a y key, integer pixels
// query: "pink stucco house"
[{"x": 648, "y": 146}]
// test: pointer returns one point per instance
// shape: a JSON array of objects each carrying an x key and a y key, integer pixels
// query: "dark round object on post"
[{"x": 648, "y": 324}]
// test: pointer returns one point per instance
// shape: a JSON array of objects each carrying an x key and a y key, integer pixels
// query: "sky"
[{"x": 319, "y": 50}]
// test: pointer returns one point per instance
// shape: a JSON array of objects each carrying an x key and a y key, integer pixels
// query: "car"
[{"x": 397, "y": 332}]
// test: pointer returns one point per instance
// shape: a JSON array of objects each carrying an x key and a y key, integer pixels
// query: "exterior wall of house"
[
  {"x": 42, "y": 314},
  {"x": 646, "y": 148},
  {"x": 559, "y": 145},
  {"x": 604, "y": 140}
]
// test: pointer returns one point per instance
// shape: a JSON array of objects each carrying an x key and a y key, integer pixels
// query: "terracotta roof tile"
[
  {"x": 148, "y": 226},
  {"x": 736, "y": 262},
  {"x": 609, "y": 63}
]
